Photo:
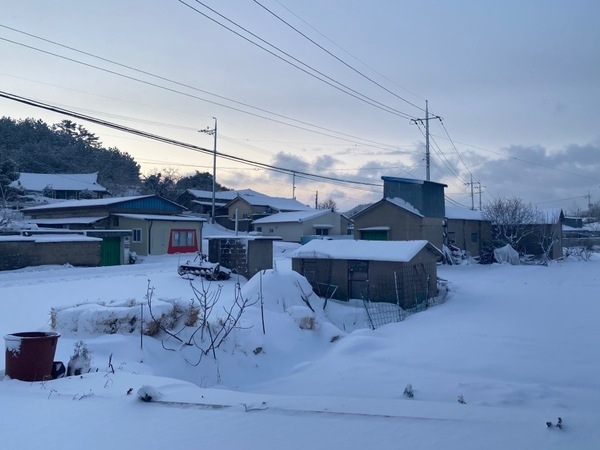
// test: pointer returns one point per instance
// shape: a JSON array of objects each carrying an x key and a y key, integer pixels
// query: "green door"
[
  {"x": 110, "y": 251},
  {"x": 374, "y": 235}
]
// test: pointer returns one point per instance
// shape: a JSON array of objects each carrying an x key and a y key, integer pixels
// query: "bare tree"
[
  {"x": 512, "y": 220},
  {"x": 548, "y": 233},
  {"x": 210, "y": 332},
  {"x": 328, "y": 204},
  {"x": 522, "y": 225}
]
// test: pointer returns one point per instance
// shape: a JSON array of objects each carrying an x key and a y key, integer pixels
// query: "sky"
[
  {"x": 516, "y": 352},
  {"x": 511, "y": 86}
]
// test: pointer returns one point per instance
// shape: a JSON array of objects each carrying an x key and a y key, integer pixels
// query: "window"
[
  {"x": 137, "y": 235},
  {"x": 474, "y": 237},
  {"x": 322, "y": 231},
  {"x": 451, "y": 237},
  {"x": 182, "y": 238},
  {"x": 183, "y": 241},
  {"x": 259, "y": 229}
]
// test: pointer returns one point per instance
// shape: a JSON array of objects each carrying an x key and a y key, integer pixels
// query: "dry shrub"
[
  {"x": 335, "y": 338},
  {"x": 152, "y": 328},
  {"x": 53, "y": 313},
  {"x": 192, "y": 315},
  {"x": 307, "y": 323}
]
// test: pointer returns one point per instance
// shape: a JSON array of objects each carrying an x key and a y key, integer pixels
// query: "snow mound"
[
  {"x": 120, "y": 317},
  {"x": 149, "y": 393},
  {"x": 281, "y": 291}
]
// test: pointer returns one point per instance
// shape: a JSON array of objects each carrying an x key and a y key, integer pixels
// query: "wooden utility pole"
[
  {"x": 427, "y": 150},
  {"x": 213, "y": 132}
]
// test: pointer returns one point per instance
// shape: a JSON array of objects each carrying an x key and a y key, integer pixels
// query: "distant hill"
[{"x": 36, "y": 147}]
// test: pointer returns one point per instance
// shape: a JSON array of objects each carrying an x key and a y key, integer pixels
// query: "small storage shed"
[
  {"x": 399, "y": 272},
  {"x": 246, "y": 255}
]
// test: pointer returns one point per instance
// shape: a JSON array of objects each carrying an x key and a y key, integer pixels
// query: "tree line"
[{"x": 33, "y": 146}]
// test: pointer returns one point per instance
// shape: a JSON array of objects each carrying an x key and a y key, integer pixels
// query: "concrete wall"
[{"x": 24, "y": 253}]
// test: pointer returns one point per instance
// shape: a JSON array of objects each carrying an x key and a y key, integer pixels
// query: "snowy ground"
[{"x": 520, "y": 344}]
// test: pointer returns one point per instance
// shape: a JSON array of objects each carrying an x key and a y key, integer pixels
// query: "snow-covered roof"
[
  {"x": 404, "y": 205},
  {"x": 67, "y": 220},
  {"x": 224, "y": 195},
  {"x": 456, "y": 212},
  {"x": 84, "y": 203},
  {"x": 58, "y": 182},
  {"x": 293, "y": 216},
  {"x": 409, "y": 181},
  {"x": 94, "y": 202},
  {"x": 172, "y": 218},
  {"x": 278, "y": 203},
  {"x": 51, "y": 238},
  {"x": 401, "y": 251},
  {"x": 551, "y": 215},
  {"x": 209, "y": 203}
]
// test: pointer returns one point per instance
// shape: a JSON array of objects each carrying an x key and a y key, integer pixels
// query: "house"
[
  {"x": 240, "y": 212},
  {"x": 200, "y": 201},
  {"x": 157, "y": 225},
  {"x": 237, "y": 209},
  {"x": 467, "y": 229},
  {"x": 394, "y": 219},
  {"x": 399, "y": 272},
  {"x": 65, "y": 186},
  {"x": 410, "y": 210},
  {"x": 293, "y": 226},
  {"x": 573, "y": 222}
]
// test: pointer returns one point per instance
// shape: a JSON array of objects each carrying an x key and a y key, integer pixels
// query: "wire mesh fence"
[{"x": 402, "y": 296}]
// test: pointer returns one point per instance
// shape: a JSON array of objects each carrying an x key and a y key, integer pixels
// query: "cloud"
[{"x": 540, "y": 176}]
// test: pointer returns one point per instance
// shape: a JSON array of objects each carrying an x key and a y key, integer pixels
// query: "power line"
[
  {"x": 338, "y": 85},
  {"x": 347, "y": 52},
  {"x": 162, "y": 78},
  {"x": 169, "y": 141},
  {"x": 336, "y": 57},
  {"x": 454, "y": 146}
]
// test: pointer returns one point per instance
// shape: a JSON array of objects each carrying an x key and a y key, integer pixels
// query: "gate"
[{"x": 110, "y": 251}]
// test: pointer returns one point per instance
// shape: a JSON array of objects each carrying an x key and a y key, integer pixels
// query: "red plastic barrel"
[{"x": 29, "y": 355}]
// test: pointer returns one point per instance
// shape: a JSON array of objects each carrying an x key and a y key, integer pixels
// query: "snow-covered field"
[{"x": 520, "y": 344}]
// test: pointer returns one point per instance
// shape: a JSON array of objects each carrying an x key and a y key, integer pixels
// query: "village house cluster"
[{"x": 387, "y": 251}]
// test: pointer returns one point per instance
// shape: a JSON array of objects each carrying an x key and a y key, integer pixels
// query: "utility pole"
[
  {"x": 479, "y": 186},
  {"x": 317, "y": 200},
  {"x": 472, "y": 185},
  {"x": 427, "y": 151},
  {"x": 427, "y": 154},
  {"x": 589, "y": 197},
  {"x": 293, "y": 184},
  {"x": 472, "y": 197},
  {"x": 213, "y": 132}
]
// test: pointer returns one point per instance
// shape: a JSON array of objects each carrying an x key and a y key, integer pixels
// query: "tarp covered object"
[{"x": 507, "y": 254}]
